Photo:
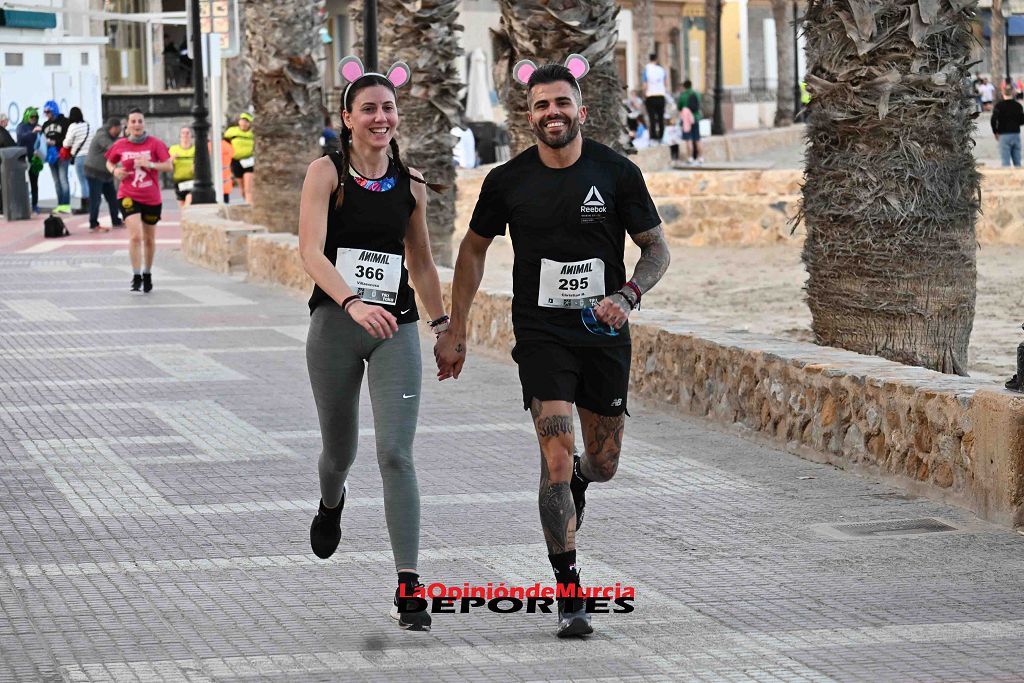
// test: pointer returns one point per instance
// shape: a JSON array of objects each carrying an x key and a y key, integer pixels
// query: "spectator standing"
[
  {"x": 689, "y": 120},
  {"x": 58, "y": 157},
  {"x": 654, "y": 93},
  {"x": 27, "y": 134},
  {"x": 80, "y": 135},
  {"x": 987, "y": 92},
  {"x": 101, "y": 181},
  {"x": 6, "y": 139},
  {"x": 1007, "y": 117}
]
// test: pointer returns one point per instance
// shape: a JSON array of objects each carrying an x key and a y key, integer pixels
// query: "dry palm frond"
[{"x": 549, "y": 31}]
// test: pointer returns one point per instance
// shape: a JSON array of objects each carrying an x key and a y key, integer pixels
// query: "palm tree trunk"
[
  {"x": 548, "y": 31},
  {"x": 785, "y": 106},
  {"x": 239, "y": 75},
  {"x": 286, "y": 95},
  {"x": 891, "y": 192},
  {"x": 711, "y": 8},
  {"x": 998, "y": 40},
  {"x": 424, "y": 34},
  {"x": 643, "y": 14}
]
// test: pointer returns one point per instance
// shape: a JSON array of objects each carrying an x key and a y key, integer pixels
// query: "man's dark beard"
[{"x": 572, "y": 131}]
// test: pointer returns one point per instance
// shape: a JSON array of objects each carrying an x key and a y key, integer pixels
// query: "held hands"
[
  {"x": 450, "y": 354},
  {"x": 613, "y": 310},
  {"x": 379, "y": 323}
]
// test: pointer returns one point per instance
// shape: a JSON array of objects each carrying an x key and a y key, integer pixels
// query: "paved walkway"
[{"x": 158, "y": 476}]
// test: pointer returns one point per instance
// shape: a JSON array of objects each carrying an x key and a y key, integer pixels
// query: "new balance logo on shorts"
[{"x": 616, "y": 403}]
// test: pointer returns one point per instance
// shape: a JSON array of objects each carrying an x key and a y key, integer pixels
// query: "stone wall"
[
  {"x": 702, "y": 208},
  {"x": 945, "y": 437},
  {"x": 213, "y": 236},
  {"x": 939, "y": 436}
]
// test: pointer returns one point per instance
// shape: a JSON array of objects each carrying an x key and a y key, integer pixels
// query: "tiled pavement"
[{"x": 158, "y": 476}]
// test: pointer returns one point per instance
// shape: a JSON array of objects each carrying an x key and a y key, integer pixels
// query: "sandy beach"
[{"x": 760, "y": 289}]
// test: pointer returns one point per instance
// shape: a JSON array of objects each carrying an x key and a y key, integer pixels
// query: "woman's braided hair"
[{"x": 363, "y": 82}]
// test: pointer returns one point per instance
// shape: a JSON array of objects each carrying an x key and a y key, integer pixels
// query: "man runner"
[{"x": 569, "y": 203}]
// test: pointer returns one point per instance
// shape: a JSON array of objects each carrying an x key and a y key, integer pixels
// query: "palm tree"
[
  {"x": 549, "y": 31},
  {"x": 283, "y": 51},
  {"x": 785, "y": 106},
  {"x": 997, "y": 32},
  {"x": 239, "y": 75},
  {"x": 424, "y": 34},
  {"x": 711, "y": 10},
  {"x": 891, "y": 192},
  {"x": 643, "y": 14}
]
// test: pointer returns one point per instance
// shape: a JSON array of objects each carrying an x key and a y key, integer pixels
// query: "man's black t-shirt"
[{"x": 567, "y": 226}]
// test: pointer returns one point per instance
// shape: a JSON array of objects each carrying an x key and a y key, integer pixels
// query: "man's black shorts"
[
  {"x": 237, "y": 170},
  {"x": 594, "y": 378},
  {"x": 150, "y": 213}
]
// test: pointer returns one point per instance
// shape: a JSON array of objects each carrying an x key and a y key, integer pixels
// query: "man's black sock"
[{"x": 564, "y": 565}]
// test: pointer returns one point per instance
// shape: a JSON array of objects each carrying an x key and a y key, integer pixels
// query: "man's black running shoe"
[
  {"x": 573, "y": 618},
  {"x": 578, "y": 487},
  {"x": 325, "y": 531},
  {"x": 407, "y": 610},
  {"x": 136, "y": 283},
  {"x": 147, "y": 282}
]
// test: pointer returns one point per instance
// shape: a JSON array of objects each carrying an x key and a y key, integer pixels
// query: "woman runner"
[
  {"x": 363, "y": 238},
  {"x": 136, "y": 161}
]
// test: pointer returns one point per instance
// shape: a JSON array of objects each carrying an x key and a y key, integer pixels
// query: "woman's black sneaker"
[
  {"x": 136, "y": 283},
  {"x": 147, "y": 282},
  {"x": 412, "y": 614},
  {"x": 325, "y": 531}
]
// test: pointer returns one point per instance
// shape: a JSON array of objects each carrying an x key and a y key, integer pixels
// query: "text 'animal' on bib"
[
  {"x": 373, "y": 276},
  {"x": 579, "y": 284}
]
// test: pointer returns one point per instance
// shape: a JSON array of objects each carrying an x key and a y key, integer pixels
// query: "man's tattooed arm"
[{"x": 654, "y": 258}]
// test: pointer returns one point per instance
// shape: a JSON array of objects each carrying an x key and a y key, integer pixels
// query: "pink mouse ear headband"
[
  {"x": 577, "y": 65},
  {"x": 351, "y": 69}
]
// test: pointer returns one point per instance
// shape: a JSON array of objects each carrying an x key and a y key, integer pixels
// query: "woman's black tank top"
[{"x": 371, "y": 222}]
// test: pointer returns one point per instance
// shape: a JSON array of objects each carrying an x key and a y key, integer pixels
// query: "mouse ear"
[
  {"x": 577, "y": 65},
  {"x": 522, "y": 71},
  {"x": 399, "y": 74},
  {"x": 351, "y": 68}
]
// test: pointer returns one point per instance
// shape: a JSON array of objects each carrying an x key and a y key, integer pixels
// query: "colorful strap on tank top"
[{"x": 381, "y": 185}]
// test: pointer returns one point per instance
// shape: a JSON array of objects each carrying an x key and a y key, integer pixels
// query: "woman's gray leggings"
[{"x": 336, "y": 350}]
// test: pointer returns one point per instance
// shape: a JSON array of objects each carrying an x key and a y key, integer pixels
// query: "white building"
[{"x": 48, "y": 53}]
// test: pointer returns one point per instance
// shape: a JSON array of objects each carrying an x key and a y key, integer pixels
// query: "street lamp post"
[
  {"x": 370, "y": 34},
  {"x": 717, "y": 122},
  {"x": 797, "y": 104},
  {"x": 202, "y": 189}
]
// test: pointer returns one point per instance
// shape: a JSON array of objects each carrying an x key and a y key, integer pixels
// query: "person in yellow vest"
[
  {"x": 183, "y": 155},
  {"x": 242, "y": 160}
]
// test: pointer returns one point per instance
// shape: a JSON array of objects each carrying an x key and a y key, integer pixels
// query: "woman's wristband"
[{"x": 346, "y": 302}]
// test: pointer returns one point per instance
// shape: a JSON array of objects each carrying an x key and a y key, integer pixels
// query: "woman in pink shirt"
[{"x": 136, "y": 161}]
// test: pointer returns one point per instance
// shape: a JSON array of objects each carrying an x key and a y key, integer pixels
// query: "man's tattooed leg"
[
  {"x": 602, "y": 436},
  {"x": 557, "y": 511}
]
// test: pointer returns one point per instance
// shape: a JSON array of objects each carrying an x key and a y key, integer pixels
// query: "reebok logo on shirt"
[{"x": 593, "y": 208}]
